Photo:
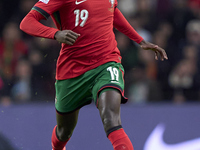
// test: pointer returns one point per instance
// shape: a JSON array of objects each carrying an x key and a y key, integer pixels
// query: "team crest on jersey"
[
  {"x": 44, "y": 1},
  {"x": 112, "y": 2}
]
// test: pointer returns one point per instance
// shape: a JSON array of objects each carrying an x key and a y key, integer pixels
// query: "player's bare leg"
[
  {"x": 64, "y": 129},
  {"x": 109, "y": 108}
]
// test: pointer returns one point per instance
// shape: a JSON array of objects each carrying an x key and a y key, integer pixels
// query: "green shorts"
[{"x": 74, "y": 93}]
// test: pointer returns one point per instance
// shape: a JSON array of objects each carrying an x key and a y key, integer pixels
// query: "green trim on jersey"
[
  {"x": 41, "y": 11},
  {"x": 57, "y": 18}
]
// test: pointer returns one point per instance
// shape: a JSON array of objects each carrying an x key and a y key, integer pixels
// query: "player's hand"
[
  {"x": 66, "y": 36},
  {"x": 158, "y": 50}
]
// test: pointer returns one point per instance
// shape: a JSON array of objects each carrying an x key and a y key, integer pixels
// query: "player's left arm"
[{"x": 122, "y": 25}]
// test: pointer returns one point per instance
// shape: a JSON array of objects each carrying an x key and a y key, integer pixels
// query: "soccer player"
[{"x": 89, "y": 65}]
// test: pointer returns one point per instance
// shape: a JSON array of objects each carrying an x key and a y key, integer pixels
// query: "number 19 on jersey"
[{"x": 81, "y": 17}]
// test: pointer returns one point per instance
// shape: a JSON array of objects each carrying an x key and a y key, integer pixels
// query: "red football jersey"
[{"x": 93, "y": 20}]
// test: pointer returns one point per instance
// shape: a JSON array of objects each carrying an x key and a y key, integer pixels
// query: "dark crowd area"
[{"x": 27, "y": 64}]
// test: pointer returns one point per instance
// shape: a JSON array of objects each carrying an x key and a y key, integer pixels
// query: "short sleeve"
[{"x": 48, "y": 7}]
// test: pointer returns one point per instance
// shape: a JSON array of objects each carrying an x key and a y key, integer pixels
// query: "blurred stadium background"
[{"x": 163, "y": 96}]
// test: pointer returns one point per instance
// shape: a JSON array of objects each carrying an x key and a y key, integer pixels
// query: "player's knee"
[
  {"x": 64, "y": 133},
  {"x": 110, "y": 118},
  {"x": 109, "y": 108},
  {"x": 107, "y": 121}
]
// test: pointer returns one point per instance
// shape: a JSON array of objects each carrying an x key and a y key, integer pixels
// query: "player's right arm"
[{"x": 31, "y": 23}]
